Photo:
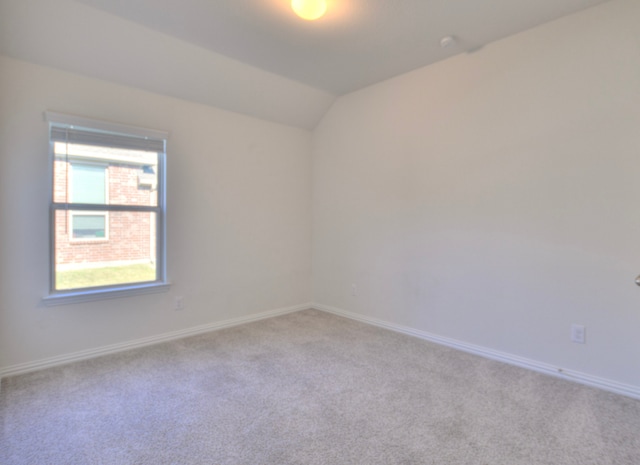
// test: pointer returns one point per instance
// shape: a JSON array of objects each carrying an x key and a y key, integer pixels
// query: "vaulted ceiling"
[
  {"x": 357, "y": 43},
  {"x": 255, "y": 56}
]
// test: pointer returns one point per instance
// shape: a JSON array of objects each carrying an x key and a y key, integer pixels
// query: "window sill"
[{"x": 72, "y": 297}]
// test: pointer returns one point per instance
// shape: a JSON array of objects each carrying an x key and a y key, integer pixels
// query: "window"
[
  {"x": 88, "y": 184},
  {"x": 107, "y": 209},
  {"x": 87, "y": 226}
]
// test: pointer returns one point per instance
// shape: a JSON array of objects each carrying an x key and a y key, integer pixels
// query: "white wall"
[
  {"x": 238, "y": 215},
  {"x": 493, "y": 198}
]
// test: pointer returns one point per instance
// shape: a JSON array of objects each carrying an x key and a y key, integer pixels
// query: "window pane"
[
  {"x": 89, "y": 226},
  {"x": 88, "y": 185},
  {"x": 83, "y": 259},
  {"x": 95, "y": 174}
]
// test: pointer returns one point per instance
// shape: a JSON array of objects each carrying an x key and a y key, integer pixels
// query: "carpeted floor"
[{"x": 309, "y": 388}]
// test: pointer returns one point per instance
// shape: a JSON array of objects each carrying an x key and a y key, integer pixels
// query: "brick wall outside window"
[{"x": 130, "y": 235}]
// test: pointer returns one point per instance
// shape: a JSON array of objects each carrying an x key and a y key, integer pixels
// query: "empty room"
[{"x": 283, "y": 232}]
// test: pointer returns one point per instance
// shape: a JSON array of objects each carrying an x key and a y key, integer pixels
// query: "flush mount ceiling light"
[
  {"x": 309, "y": 9},
  {"x": 448, "y": 41}
]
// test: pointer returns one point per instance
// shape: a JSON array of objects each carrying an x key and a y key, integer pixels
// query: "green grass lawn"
[{"x": 109, "y": 275}]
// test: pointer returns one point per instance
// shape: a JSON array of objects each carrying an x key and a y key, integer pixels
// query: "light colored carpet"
[{"x": 309, "y": 388}]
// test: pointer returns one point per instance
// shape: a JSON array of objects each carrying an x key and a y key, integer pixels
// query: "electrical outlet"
[
  {"x": 179, "y": 303},
  {"x": 577, "y": 333}
]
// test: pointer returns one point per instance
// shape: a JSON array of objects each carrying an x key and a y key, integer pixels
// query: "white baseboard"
[
  {"x": 113, "y": 348},
  {"x": 582, "y": 378},
  {"x": 586, "y": 379}
]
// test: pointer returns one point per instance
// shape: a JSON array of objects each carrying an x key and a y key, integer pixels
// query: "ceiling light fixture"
[
  {"x": 448, "y": 41},
  {"x": 309, "y": 9}
]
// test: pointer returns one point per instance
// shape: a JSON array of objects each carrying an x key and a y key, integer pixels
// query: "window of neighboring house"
[
  {"x": 88, "y": 184},
  {"x": 107, "y": 209}
]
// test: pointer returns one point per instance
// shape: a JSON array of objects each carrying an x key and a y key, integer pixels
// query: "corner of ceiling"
[{"x": 147, "y": 59}]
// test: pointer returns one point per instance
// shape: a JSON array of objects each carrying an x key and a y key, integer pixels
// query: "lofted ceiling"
[
  {"x": 357, "y": 43},
  {"x": 255, "y": 56}
]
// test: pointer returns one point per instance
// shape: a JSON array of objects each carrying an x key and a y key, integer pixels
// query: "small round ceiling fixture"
[
  {"x": 309, "y": 9},
  {"x": 447, "y": 41}
]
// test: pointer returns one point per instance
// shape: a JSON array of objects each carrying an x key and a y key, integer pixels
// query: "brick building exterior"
[{"x": 108, "y": 238}]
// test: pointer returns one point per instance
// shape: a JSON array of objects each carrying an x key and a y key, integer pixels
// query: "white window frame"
[
  {"x": 84, "y": 240},
  {"x": 106, "y": 130}
]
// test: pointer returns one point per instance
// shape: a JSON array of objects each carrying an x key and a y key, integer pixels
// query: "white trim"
[
  {"x": 534, "y": 365},
  {"x": 90, "y": 240},
  {"x": 21, "y": 368},
  {"x": 74, "y": 296}
]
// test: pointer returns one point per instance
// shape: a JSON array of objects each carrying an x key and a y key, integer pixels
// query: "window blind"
[{"x": 85, "y": 131}]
